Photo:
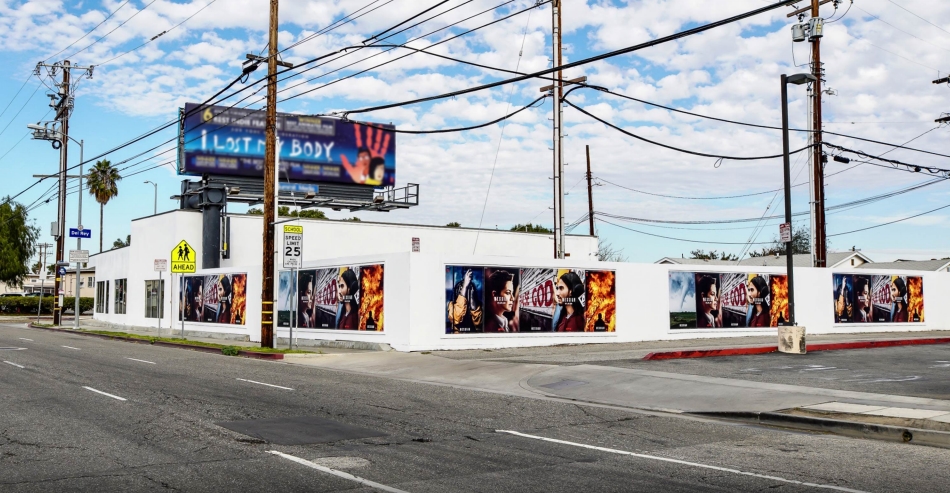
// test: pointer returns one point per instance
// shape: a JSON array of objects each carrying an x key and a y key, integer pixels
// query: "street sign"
[
  {"x": 161, "y": 265},
  {"x": 415, "y": 245},
  {"x": 78, "y": 256},
  {"x": 80, "y": 233},
  {"x": 62, "y": 271},
  {"x": 785, "y": 232},
  {"x": 293, "y": 246},
  {"x": 183, "y": 258}
]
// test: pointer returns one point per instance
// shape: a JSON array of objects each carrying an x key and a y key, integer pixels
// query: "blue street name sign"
[{"x": 80, "y": 233}]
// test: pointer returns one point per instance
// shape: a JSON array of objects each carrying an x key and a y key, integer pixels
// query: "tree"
[
  {"x": 712, "y": 255},
  {"x": 531, "y": 228},
  {"x": 353, "y": 219},
  {"x": 118, "y": 243},
  {"x": 453, "y": 224},
  {"x": 103, "y": 185},
  {"x": 801, "y": 244},
  {"x": 284, "y": 211},
  {"x": 606, "y": 252},
  {"x": 17, "y": 242}
]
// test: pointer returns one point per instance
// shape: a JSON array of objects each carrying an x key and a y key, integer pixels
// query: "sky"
[{"x": 880, "y": 58}]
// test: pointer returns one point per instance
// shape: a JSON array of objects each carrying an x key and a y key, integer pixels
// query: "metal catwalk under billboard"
[{"x": 230, "y": 141}]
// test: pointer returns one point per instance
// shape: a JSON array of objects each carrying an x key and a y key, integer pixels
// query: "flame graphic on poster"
[
  {"x": 371, "y": 300},
  {"x": 238, "y": 298},
  {"x": 779, "y": 295},
  {"x": 601, "y": 301},
  {"x": 915, "y": 298}
]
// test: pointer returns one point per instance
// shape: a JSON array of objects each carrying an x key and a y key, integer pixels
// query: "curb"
[
  {"x": 203, "y": 349},
  {"x": 831, "y": 346},
  {"x": 854, "y": 429}
]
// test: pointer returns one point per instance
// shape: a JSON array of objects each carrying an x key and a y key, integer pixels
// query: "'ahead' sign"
[{"x": 183, "y": 258}]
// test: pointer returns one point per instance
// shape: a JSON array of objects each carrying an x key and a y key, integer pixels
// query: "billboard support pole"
[
  {"x": 558, "y": 93},
  {"x": 789, "y": 254},
  {"x": 590, "y": 195},
  {"x": 267, "y": 281}
]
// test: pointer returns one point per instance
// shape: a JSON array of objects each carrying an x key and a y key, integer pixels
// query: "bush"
[
  {"x": 230, "y": 350},
  {"x": 27, "y": 305}
]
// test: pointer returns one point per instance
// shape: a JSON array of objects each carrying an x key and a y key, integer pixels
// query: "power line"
[
  {"x": 901, "y": 30},
  {"x": 159, "y": 34},
  {"x": 916, "y": 168},
  {"x": 678, "y": 239},
  {"x": 917, "y": 16},
  {"x": 5, "y": 108},
  {"x": 137, "y": 12},
  {"x": 21, "y": 108},
  {"x": 88, "y": 32},
  {"x": 891, "y": 222}
]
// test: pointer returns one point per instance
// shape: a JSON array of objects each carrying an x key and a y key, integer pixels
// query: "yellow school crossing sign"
[{"x": 183, "y": 258}]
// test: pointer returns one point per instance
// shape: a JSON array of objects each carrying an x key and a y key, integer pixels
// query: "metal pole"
[
  {"x": 291, "y": 287},
  {"x": 43, "y": 253},
  {"x": 78, "y": 243},
  {"x": 161, "y": 301},
  {"x": 181, "y": 293},
  {"x": 155, "y": 200},
  {"x": 790, "y": 258},
  {"x": 270, "y": 149},
  {"x": 590, "y": 195},
  {"x": 558, "y": 92},
  {"x": 821, "y": 246}
]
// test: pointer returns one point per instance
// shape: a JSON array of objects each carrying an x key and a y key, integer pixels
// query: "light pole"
[
  {"x": 797, "y": 79},
  {"x": 155, "y": 206},
  {"x": 55, "y": 136}
]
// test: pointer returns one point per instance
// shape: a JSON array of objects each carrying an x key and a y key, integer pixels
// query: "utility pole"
[
  {"x": 818, "y": 167},
  {"x": 558, "y": 91},
  {"x": 590, "y": 195},
  {"x": 270, "y": 162}
]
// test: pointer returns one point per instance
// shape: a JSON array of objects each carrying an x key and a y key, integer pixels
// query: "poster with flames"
[
  {"x": 214, "y": 298},
  {"x": 878, "y": 298},
  {"x": 528, "y": 300},
  {"x": 340, "y": 298},
  {"x": 712, "y": 300}
]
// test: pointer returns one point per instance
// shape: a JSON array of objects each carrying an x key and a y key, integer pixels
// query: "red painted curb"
[
  {"x": 832, "y": 346},
  {"x": 204, "y": 349}
]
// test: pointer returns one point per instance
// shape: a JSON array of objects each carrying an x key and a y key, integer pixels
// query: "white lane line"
[
  {"x": 14, "y": 364},
  {"x": 339, "y": 474},
  {"x": 70, "y": 347},
  {"x": 685, "y": 463},
  {"x": 267, "y": 384},
  {"x": 142, "y": 361},
  {"x": 31, "y": 340},
  {"x": 103, "y": 393}
]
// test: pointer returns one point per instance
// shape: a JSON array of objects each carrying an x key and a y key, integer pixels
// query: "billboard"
[
  {"x": 712, "y": 300},
  {"x": 340, "y": 298},
  {"x": 230, "y": 141},
  {"x": 481, "y": 299},
  {"x": 214, "y": 298},
  {"x": 878, "y": 298}
]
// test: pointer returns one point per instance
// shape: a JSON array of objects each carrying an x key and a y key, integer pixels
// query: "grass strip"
[{"x": 175, "y": 340}]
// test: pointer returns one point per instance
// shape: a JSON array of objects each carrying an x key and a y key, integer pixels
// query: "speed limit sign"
[{"x": 293, "y": 246}]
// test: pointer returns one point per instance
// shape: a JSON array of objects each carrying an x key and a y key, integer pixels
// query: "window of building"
[
  {"x": 102, "y": 297},
  {"x": 852, "y": 261},
  {"x": 155, "y": 299},
  {"x": 89, "y": 280},
  {"x": 121, "y": 287}
]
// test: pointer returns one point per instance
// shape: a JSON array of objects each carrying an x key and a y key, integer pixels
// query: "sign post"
[
  {"x": 183, "y": 259},
  {"x": 161, "y": 265},
  {"x": 293, "y": 258}
]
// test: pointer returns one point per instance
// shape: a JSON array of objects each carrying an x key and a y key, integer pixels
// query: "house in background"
[
  {"x": 935, "y": 265},
  {"x": 836, "y": 260}
]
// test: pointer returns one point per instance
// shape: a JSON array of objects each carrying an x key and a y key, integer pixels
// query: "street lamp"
[
  {"x": 155, "y": 206},
  {"x": 59, "y": 139},
  {"x": 797, "y": 79}
]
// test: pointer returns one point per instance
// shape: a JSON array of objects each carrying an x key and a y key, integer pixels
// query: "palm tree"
[{"x": 103, "y": 179}]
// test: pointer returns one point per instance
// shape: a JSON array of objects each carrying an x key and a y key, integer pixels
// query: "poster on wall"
[
  {"x": 341, "y": 298},
  {"x": 878, "y": 298},
  {"x": 214, "y": 298},
  {"x": 286, "y": 287},
  {"x": 711, "y": 300},
  {"x": 528, "y": 300}
]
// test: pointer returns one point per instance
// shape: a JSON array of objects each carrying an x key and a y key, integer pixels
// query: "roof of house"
[
  {"x": 924, "y": 265},
  {"x": 834, "y": 259}
]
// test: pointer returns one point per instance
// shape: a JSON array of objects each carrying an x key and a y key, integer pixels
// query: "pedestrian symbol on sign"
[{"x": 183, "y": 258}]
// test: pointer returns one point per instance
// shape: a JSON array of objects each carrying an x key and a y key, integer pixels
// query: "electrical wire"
[
  {"x": 89, "y": 32},
  {"x": 137, "y": 12},
  {"x": 450, "y": 130},
  {"x": 901, "y": 30},
  {"x": 159, "y": 34},
  {"x": 21, "y": 108},
  {"x": 5, "y": 108},
  {"x": 891, "y": 222},
  {"x": 677, "y": 239},
  {"x": 915, "y": 168},
  {"x": 915, "y": 15}
]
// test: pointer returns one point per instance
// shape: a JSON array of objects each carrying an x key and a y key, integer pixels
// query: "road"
[{"x": 63, "y": 428}]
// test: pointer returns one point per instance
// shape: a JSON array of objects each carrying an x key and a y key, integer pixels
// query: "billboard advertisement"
[
  {"x": 339, "y": 298},
  {"x": 878, "y": 298},
  {"x": 214, "y": 298},
  {"x": 712, "y": 300},
  {"x": 481, "y": 299},
  {"x": 230, "y": 141}
]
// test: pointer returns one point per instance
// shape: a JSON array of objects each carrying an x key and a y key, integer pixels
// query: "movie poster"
[
  {"x": 711, "y": 300},
  {"x": 878, "y": 298},
  {"x": 341, "y": 298},
  {"x": 502, "y": 286},
  {"x": 538, "y": 299},
  {"x": 601, "y": 311},
  {"x": 843, "y": 298},
  {"x": 286, "y": 287},
  {"x": 682, "y": 300},
  {"x": 214, "y": 298},
  {"x": 371, "y": 297},
  {"x": 530, "y": 299},
  {"x": 465, "y": 298}
]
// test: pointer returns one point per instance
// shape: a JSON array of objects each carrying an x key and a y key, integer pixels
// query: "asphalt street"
[
  {"x": 917, "y": 371},
  {"x": 64, "y": 426}
]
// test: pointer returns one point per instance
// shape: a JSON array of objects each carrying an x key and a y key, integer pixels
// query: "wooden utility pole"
[
  {"x": 818, "y": 167},
  {"x": 558, "y": 92},
  {"x": 590, "y": 195},
  {"x": 270, "y": 161},
  {"x": 62, "y": 114}
]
